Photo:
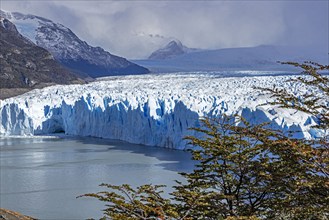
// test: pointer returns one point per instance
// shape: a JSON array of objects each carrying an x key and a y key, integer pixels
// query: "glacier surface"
[{"x": 154, "y": 110}]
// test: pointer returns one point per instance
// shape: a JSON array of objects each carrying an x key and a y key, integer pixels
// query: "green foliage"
[
  {"x": 308, "y": 197},
  {"x": 234, "y": 170},
  {"x": 124, "y": 202},
  {"x": 244, "y": 171},
  {"x": 309, "y": 102},
  {"x": 251, "y": 171}
]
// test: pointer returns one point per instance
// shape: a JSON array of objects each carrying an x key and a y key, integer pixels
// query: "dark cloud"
[{"x": 135, "y": 28}]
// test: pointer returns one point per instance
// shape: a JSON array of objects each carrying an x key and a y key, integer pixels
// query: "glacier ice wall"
[
  {"x": 154, "y": 110},
  {"x": 135, "y": 125},
  {"x": 14, "y": 121}
]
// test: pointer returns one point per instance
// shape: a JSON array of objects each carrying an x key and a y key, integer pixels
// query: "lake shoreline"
[{"x": 6, "y": 214}]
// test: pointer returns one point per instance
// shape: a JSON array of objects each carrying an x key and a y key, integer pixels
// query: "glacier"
[{"x": 153, "y": 109}]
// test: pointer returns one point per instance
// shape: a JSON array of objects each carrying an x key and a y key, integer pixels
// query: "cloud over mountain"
[{"x": 135, "y": 29}]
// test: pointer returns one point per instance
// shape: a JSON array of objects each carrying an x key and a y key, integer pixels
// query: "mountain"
[
  {"x": 263, "y": 57},
  {"x": 172, "y": 49},
  {"x": 68, "y": 49},
  {"x": 25, "y": 65},
  {"x": 155, "y": 110}
]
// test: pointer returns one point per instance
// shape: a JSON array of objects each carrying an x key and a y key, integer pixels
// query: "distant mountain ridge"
[
  {"x": 172, "y": 49},
  {"x": 71, "y": 51},
  {"x": 264, "y": 58},
  {"x": 25, "y": 65}
]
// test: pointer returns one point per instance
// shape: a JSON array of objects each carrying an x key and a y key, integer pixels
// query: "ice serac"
[
  {"x": 14, "y": 121},
  {"x": 124, "y": 121},
  {"x": 154, "y": 110}
]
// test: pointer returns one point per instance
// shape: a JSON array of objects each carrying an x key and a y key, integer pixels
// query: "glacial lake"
[{"x": 42, "y": 177}]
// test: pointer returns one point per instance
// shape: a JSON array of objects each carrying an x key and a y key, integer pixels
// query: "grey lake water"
[{"x": 42, "y": 177}]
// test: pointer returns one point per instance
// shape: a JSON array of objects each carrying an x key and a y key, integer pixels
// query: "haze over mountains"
[
  {"x": 25, "y": 65},
  {"x": 86, "y": 60},
  {"x": 152, "y": 109},
  {"x": 176, "y": 57},
  {"x": 69, "y": 50}
]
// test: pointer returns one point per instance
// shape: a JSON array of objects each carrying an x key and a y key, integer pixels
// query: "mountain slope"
[
  {"x": 248, "y": 58},
  {"x": 26, "y": 65},
  {"x": 71, "y": 51},
  {"x": 172, "y": 49}
]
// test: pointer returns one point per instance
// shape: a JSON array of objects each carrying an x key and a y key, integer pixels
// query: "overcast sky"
[{"x": 134, "y": 29}]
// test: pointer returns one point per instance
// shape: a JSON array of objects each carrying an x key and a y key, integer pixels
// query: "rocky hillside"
[
  {"x": 172, "y": 49},
  {"x": 69, "y": 49},
  {"x": 25, "y": 65}
]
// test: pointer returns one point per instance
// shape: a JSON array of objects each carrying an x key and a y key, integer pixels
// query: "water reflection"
[{"x": 42, "y": 176}]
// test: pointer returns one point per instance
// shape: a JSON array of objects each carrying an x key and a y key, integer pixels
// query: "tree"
[
  {"x": 235, "y": 168},
  {"x": 309, "y": 195},
  {"x": 144, "y": 202},
  {"x": 245, "y": 171},
  {"x": 251, "y": 171}
]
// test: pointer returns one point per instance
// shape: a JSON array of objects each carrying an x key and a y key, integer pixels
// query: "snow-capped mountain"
[
  {"x": 24, "y": 65},
  {"x": 154, "y": 110},
  {"x": 172, "y": 49},
  {"x": 71, "y": 51},
  {"x": 263, "y": 57}
]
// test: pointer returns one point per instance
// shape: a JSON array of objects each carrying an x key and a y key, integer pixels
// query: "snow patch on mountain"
[
  {"x": 154, "y": 110},
  {"x": 172, "y": 49},
  {"x": 26, "y": 24},
  {"x": 71, "y": 51}
]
